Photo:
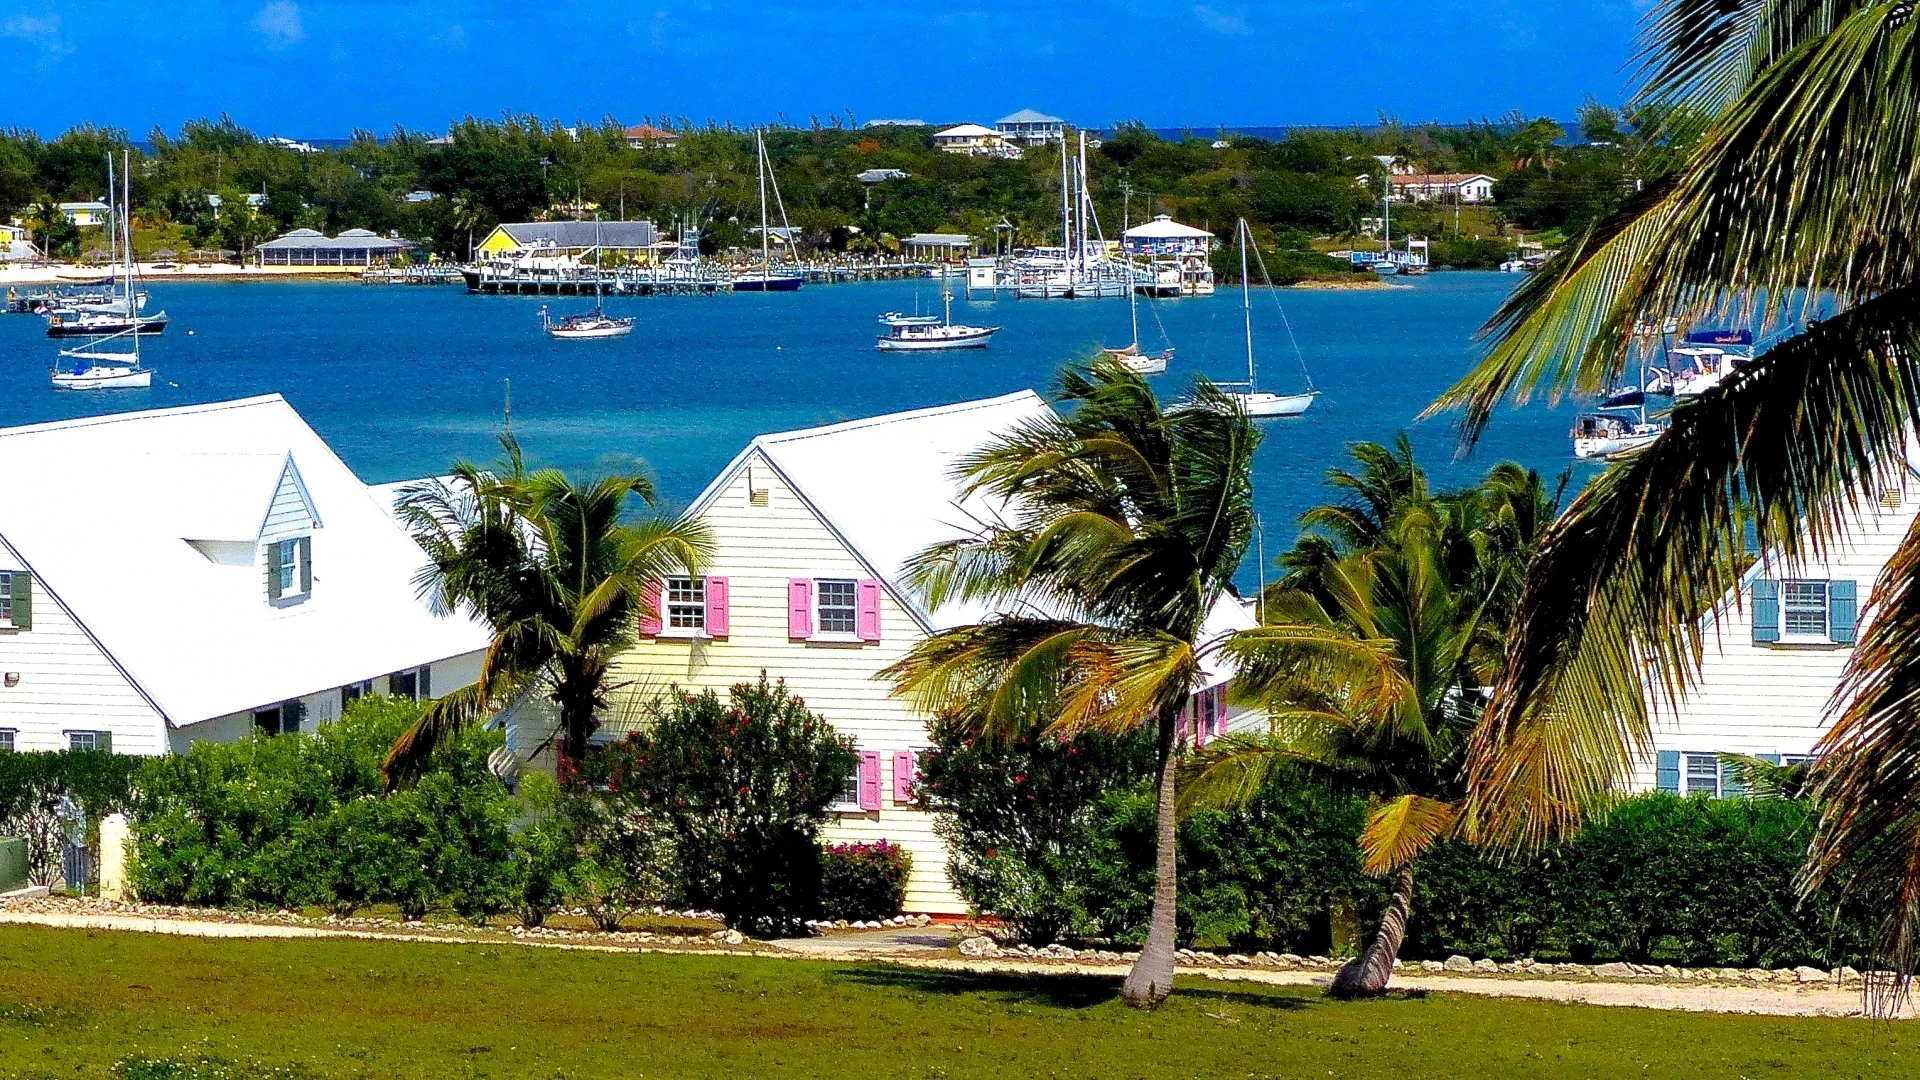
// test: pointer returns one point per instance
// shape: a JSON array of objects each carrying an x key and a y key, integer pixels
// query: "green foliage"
[
  {"x": 296, "y": 820},
  {"x": 740, "y": 789},
  {"x": 45, "y": 796},
  {"x": 863, "y": 881}
]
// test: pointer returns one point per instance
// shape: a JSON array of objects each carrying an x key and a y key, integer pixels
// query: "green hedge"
[
  {"x": 1057, "y": 840},
  {"x": 863, "y": 881}
]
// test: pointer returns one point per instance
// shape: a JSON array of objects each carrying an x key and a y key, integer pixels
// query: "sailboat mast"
[
  {"x": 598, "y": 253},
  {"x": 760, "y": 146},
  {"x": 1066, "y": 213},
  {"x": 126, "y": 228},
  {"x": 113, "y": 234},
  {"x": 1246, "y": 303},
  {"x": 1080, "y": 197}
]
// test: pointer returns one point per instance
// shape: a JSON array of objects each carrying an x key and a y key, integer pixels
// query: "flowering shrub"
[{"x": 863, "y": 881}]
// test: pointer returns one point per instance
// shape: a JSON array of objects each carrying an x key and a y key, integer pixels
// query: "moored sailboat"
[
  {"x": 1260, "y": 404},
  {"x": 1129, "y": 355},
  {"x": 589, "y": 324},
  {"x": 927, "y": 333},
  {"x": 766, "y": 279},
  {"x": 96, "y": 368}
]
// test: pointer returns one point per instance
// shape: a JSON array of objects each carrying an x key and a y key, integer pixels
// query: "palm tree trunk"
[
  {"x": 1151, "y": 979},
  {"x": 1367, "y": 974}
]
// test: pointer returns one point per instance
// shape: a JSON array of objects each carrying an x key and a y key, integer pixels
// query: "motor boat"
[
  {"x": 1602, "y": 436},
  {"x": 931, "y": 333}
]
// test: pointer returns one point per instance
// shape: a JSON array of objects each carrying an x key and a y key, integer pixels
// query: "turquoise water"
[{"x": 402, "y": 380}]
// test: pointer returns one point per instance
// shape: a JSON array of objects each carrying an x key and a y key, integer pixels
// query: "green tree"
[
  {"x": 1372, "y": 661},
  {"x": 558, "y": 572},
  {"x": 1795, "y": 199},
  {"x": 1129, "y": 520}
]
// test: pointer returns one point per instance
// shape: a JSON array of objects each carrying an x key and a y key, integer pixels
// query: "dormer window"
[{"x": 289, "y": 568}]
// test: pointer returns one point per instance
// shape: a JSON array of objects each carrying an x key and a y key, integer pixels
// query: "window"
[
  {"x": 686, "y": 603},
  {"x": 1703, "y": 774},
  {"x": 849, "y": 801},
  {"x": 1804, "y": 608},
  {"x": 90, "y": 740},
  {"x": 288, "y": 566},
  {"x": 353, "y": 692},
  {"x": 404, "y": 684},
  {"x": 281, "y": 719},
  {"x": 838, "y": 607},
  {"x": 6, "y": 599},
  {"x": 6, "y": 740},
  {"x": 16, "y": 600}
]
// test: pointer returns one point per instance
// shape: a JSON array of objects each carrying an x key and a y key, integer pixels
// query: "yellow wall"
[{"x": 496, "y": 243}]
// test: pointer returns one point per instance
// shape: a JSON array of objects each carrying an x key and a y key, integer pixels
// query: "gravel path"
[{"x": 923, "y": 948}]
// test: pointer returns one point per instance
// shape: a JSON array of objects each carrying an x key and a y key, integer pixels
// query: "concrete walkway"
[{"x": 928, "y": 949}]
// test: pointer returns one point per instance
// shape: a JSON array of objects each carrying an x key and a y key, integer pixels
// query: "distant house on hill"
[
  {"x": 1445, "y": 187},
  {"x": 812, "y": 531},
  {"x": 646, "y": 136},
  {"x": 572, "y": 237},
  {"x": 973, "y": 140},
  {"x": 877, "y": 176},
  {"x": 86, "y": 214},
  {"x": 16, "y": 245},
  {"x": 226, "y": 575},
  {"x": 1032, "y": 128},
  {"x": 311, "y": 247}
]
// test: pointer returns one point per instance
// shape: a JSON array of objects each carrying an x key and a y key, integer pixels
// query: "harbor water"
[{"x": 401, "y": 381}]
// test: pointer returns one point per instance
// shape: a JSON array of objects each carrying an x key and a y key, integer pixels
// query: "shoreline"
[{"x": 74, "y": 274}]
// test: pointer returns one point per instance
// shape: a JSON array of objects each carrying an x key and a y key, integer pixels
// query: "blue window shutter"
[
  {"x": 1730, "y": 785},
  {"x": 1766, "y": 609},
  {"x": 1843, "y": 610},
  {"x": 1771, "y": 759},
  {"x": 1667, "y": 777}
]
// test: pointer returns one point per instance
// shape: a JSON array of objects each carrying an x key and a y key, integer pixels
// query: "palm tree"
[
  {"x": 467, "y": 214},
  {"x": 1794, "y": 127},
  {"x": 1124, "y": 525},
  {"x": 1373, "y": 662},
  {"x": 555, "y": 571}
]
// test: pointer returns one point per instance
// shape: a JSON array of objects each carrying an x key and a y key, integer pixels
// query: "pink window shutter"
[
  {"x": 800, "y": 608},
  {"x": 650, "y": 609},
  {"x": 1194, "y": 704},
  {"x": 903, "y": 777},
  {"x": 717, "y": 606},
  {"x": 869, "y": 780},
  {"x": 869, "y": 623}
]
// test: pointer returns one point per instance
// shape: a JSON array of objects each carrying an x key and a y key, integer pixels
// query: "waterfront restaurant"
[
  {"x": 311, "y": 247},
  {"x": 936, "y": 246},
  {"x": 632, "y": 238}
]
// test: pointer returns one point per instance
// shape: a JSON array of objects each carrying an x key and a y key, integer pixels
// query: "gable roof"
[
  {"x": 967, "y": 131},
  {"x": 885, "y": 486},
  {"x": 579, "y": 234},
  {"x": 1431, "y": 179},
  {"x": 1163, "y": 227},
  {"x": 1029, "y": 116},
  {"x": 111, "y": 539}
]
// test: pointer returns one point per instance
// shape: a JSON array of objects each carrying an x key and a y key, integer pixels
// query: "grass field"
[{"x": 88, "y": 1004}]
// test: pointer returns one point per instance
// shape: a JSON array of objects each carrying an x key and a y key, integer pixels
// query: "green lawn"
[{"x": 73, "y": 1003}]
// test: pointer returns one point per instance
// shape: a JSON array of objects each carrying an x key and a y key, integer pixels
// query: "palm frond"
[{"x": 1400, "y": 829}]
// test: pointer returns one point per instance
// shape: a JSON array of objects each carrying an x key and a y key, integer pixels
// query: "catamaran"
[
  {"x": 96, "y": 368},
  {"x": 589, "y": 324},
  {"x": 928, "y": 333},
  {"x": 766, "y": 279},
  {"x": 1257, "y": 403}
]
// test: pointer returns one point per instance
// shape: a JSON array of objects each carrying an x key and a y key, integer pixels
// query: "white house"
[
  {"x": 973, "y": 141},
  {"x": 1180, "y": 255},
  {"x": 1032, "y": 128},
  {"x": 16, "y": 245},
  {"x": 813, "y": 531},
  {"x": 1774, "y": 654},
  {"x": 202, "y": 573},
  {"x": 86, "y": 214},
  {"x": 1446, "y": 187}
]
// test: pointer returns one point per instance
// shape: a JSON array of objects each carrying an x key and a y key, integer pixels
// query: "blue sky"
[{"x": 320, "y": 68}]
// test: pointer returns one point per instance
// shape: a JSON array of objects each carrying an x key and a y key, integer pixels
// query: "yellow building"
[{"x": 633, "y": 238}]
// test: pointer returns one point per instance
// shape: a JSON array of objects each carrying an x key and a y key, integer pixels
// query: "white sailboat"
[
  {"x": 925, "y": 333},
  {"x": 591, "y": 324},
  {"x": 1257, "y": 403},
  {"x": 1129, "y": 356},
  {"x": 96, "y": 368}
]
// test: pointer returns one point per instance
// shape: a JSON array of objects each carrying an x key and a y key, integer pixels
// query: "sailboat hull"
[
  {"x": 1261, "y": 405},
  {"x": 770, "y": 283},
  {"x": 613, "y": 329},
  {"x": 62, "y": 326},
  {"x": 104, "y": 378}
]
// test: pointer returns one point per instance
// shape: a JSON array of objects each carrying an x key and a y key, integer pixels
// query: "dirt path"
[{"x": 916, "y": 948}]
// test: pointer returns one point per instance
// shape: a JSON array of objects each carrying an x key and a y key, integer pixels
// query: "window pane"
[
  {"x": 837, "y": 607},
  {"x": 1703, "y": 774},
  {"x": 6, "y": 742},
  {"x": 851, "y": 793},
  {"x": 687, "y": 603},
  {"x": 1805, "y": 607},
  {"x": 80, "y": 740}
]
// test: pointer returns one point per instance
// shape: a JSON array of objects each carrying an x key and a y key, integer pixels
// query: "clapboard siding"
[
  {"x": 759, "y": 549},
  {"x": 66, "y": 683},
  {"x": 1755, "y": 698},
  {"x": 288, "y": 515}
]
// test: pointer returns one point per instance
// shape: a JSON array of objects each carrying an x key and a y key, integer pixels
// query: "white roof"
[
  {"x": 966, "y": 131},
  {"x": 102, "y": 511},
  {"x": 886, "y": 487},
  {"x": 1030, "y": 116},
  {"x": 1163, "y": 227}
]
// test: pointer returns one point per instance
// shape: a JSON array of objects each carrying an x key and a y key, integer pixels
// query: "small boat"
[
  {"x": 1516, "y": 266},
  {"x": 62, "y": 324},
  {"x": 96, "y": 368},
  {"x": 928, "y": 333},
  {"x": 589, "y": 324},
  {"x": 1699, "y": 368},
  {"x": 1257, "y": 403},
  {"x": 766, "y": 279},
  {"x": 1599, "y": 435},
  {"x": 1129, "y": 356}
]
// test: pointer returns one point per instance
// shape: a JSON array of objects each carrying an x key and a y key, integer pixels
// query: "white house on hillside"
[
  {"x": 1446, "y": 187},
  {"x": 813, "y": 531},
  {"x": 1032, "y": 128},
  {"x": 974, "y": 141},
  {"x": 202, "y": 573},
  {"x": 1774, "y": 654}
]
